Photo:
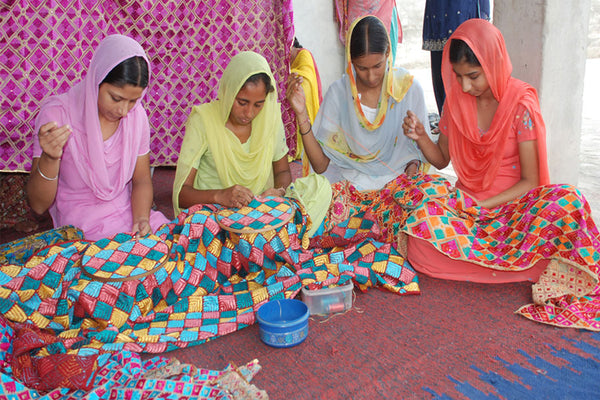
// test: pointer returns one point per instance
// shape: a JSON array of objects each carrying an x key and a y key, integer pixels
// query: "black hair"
[
  {"x": 369, "y": 37},
  {"x": 461, "y": 52},
  {"x": 297, "y": 43},
  {"x": 261, "y": 76},
  {"x": 132, "y": 71}
]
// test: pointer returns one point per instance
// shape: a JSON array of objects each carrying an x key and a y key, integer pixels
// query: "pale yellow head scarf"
[
  {"x": 205, "y": 129},
  {"x": 304, "y": 65}
]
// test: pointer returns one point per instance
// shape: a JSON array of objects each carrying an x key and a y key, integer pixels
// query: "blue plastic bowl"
[{"x": 283, "y": 322}]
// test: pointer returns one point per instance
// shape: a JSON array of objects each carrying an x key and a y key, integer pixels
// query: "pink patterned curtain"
[
  {"x": 46, "y": 47},
  {"x": 348, "y": 10}
]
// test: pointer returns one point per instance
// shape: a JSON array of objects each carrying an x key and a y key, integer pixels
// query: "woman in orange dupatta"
[
  {"x": 504, "y": 221},
  {"x": 486, "y": 109}
]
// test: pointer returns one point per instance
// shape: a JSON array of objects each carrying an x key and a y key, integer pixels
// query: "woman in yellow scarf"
[
  {"x": 303, "y": 65},
  {"x": 234, "y": 147}
]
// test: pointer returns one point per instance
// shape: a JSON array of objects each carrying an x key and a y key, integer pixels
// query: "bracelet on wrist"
[
  {"x": 309, "y": 129},
  {"x": 44, "y": 176},
  {"x": 413, "y": 162}
]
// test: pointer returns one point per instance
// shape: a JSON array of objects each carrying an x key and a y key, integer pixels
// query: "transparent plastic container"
[{"x": 328, "y": 300}]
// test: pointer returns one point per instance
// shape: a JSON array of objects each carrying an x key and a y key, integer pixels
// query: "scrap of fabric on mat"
[
  {"x": 209, "y": 282},
  {"x": 551, "y": 222},
  {"x": 117, "y": 375}
]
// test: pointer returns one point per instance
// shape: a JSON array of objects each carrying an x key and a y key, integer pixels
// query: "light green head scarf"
[{"x": 205, "y": 129}]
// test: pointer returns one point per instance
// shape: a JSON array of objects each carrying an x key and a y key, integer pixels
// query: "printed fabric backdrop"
[{"x": 46, "y": 47}]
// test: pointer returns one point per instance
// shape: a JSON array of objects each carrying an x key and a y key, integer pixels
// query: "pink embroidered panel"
[{"x": 46, "y": 46}]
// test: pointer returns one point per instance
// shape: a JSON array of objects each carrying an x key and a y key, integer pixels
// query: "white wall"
[
  {"x": 547, "y": 42},
  {"x": 410, "y": 53},
  {"x": 317, "y": 31}
]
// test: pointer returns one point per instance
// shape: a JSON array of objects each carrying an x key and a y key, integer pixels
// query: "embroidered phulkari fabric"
[
  {"x": 210, "y": 282},
  {"x": 124, "y": 375},
  {"x": 550, "y": 222},
  {"x": 46, "y": 47},
  {"x": 56, "y": 369},
  {"x": 19, "y": 251},
  {"x": 354, "y": 215}
]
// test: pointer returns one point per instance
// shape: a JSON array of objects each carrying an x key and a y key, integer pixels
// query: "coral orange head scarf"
[{"x": 475, "y": 157}]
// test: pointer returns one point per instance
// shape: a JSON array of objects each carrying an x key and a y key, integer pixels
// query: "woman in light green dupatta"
[{"x": 234, "y": 147}]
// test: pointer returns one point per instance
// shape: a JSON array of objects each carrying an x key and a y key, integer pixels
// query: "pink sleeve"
[
  {"x": 145, "y": 139},
  {"x": 523, "y": 125}
]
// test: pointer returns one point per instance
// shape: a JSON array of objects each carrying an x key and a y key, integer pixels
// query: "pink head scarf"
[
  {"x": 80, "y": 104},
  {"x": 475, "y": 157}
]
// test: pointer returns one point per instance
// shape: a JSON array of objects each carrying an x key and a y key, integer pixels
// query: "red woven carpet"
[{"x": 456, "y": 340}]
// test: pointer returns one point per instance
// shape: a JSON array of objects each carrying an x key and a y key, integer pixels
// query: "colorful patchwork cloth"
[
  {"x": 19, "y": 251},
  {"x": 189, "y": 283},
  {"x": 356, "y": 215},
  {"x": 117, "y": 375},
  {"x": 550, "y": 222}
]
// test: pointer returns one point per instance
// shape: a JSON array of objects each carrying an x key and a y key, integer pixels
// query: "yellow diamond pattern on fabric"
[
  {"x": 551, "y": 222},
  {"x": 119, "y": 317},
  {"x": 11, "y": 270},
  {"x": 18, "y": 315},
  {"x": 260, "y": 295},
  {"x": 379, "y": 266},
  {"x": 207, "y": 295}
]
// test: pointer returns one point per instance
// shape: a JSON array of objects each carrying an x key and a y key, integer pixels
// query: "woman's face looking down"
[
  {"x": 370, "y": 69},
  {"x": 115, "y": 102},
  {"x": 248, "y": 103},
  {"x": 472, "y": 79}
]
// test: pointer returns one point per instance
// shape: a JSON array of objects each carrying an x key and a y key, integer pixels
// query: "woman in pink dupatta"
[{"x": 91, "y": 165}]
